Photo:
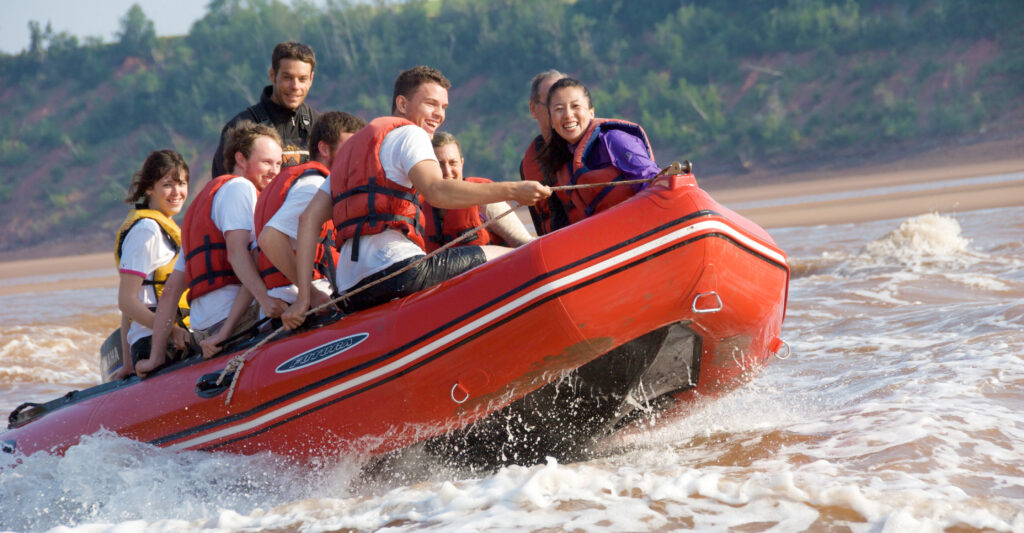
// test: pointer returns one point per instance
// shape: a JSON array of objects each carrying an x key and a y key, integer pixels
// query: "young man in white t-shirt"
[
  {"x": 277, "y": 217},
  {"x": 220, "y": 297},
  {"x": 277, "y": 239},
  {"x": 406, "y": 156}
]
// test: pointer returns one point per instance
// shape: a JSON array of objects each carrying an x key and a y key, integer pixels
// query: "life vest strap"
[
  {"x": 326, "y": 264},
  {"x": 308, "y": 172},
  {"x": 371, "y": 189},
  {"x": 210, "y": 276},
  {"x": 206, "y": 247},
  {"x": 600, "y": 196}
]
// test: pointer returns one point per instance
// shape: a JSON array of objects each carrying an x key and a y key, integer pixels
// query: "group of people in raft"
[{"x": 304, "y": 206}]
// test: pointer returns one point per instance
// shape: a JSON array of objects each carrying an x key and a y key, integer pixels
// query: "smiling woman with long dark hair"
[
  {"x": 147, "y": 245},
  {"x": 584, "y": 149}
]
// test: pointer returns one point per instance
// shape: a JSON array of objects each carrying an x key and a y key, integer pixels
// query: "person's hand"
[
  {"x": 145, "y": 366},
  {"x": 180, "y": 337},
  {"x": 211, "y": 345},
  {"x": 294, "y": 315},
  {"x": 273, "y": 307},
  {"x": 123, "y": 372},
  {"x": 529, "y": 192}
]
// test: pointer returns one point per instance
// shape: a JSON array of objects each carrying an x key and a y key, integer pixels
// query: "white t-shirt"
[
  {"x": 234, "y": 205},
  {"x": 286, "y": 220},
  {"x": 144, "y": 250},
  {"x": 401, "y": 150}
]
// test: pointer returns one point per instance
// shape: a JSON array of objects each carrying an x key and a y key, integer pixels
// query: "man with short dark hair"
[
  {"x": 372, "y": 197},
  {"x": 282, "y": 104},
  {"x": 280, "y": 205}
]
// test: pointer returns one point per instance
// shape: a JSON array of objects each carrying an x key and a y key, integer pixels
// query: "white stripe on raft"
[{"x": 478, "y": 323}]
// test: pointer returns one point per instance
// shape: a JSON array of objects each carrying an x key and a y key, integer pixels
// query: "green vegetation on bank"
[{"x": 727, "y": 82}]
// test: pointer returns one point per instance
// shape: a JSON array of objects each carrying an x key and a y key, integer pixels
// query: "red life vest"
[
  {"x": 271, "y": 199},
  {"x": 206, "y": 252},
  {"x": 586, "y": 202},
  {"x": 442, "y": 229},
  {"x": 365, "y": 201},
  {"x": 529, "y": 169}
]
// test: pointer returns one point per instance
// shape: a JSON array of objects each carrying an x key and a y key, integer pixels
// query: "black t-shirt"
[{"x": 293, "y": 125}]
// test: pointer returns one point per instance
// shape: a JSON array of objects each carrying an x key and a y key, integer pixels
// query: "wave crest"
[{"x": 922, "y": 239}]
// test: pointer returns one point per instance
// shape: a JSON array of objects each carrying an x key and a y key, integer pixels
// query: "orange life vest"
[
  {"x": 529, "y": 169},
  {"x": 206, "y": 252},
  {"x": 586, "y": 202},
  {"x": 442, "y": 229},
  {"x": 365, "y": 201},
  {"x": 271, "y": 199}
]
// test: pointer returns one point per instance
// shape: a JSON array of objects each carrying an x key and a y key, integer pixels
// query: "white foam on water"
[
  {"x": 900, "y": 410},
  {"x": 112, "y": 480},
  {"x": 48, "y": 354},
  {"x": 920, "y": 240}
]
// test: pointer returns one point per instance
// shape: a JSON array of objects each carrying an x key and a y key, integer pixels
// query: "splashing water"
[
  {"x": 901, "y": 410},
  {"x": 922, "y": 239}
]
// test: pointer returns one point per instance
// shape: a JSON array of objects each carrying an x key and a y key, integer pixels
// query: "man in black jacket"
[{"x": 282, "y": 104}]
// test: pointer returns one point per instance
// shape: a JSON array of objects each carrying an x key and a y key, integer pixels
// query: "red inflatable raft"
[{"x": 641, "y": 308}]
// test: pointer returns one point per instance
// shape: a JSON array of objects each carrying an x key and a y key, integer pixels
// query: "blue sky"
[
  {"x": 93, "y": 18},
  {"x": 88, "y": 18}
]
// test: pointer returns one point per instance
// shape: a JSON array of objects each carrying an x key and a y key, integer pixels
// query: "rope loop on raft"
[{"x": 236, "y": 363}]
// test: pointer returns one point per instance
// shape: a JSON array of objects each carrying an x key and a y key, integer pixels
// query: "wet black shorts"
[
  {"x": 140, "y": 350},
  {"x": 445, "y": 265}
]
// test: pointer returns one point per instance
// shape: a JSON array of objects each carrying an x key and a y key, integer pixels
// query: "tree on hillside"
[{"x": 138, "y": 35}]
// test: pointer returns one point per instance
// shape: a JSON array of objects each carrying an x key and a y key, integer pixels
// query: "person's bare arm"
[
  {"x": 508, "y": 227},
  {"x": 278, "y": 249},
  {"x": 211, "y": 345},
  {"x": 244, "y": 266},
  {"x": 128, "y": 300},
  {"x": 312, "y": 219},
  {"x": 163, "y": 322},
  {"x": 456, "y": 194},
  {"x": 127, "y": 368}
]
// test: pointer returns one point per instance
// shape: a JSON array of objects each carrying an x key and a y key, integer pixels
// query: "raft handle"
[
  {"x": 23, "y": 413},
  {"x": 715, "y": 309},
  {"x": 459, "y": 387},
  {"x": 207, "y": 386},
  {"x": 7, "y": 446},
  {"x": 777, "y": 348}
]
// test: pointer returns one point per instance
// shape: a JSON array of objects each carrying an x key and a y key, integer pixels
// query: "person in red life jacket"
[
  {"x": 529, "y": 168},
  {"x": 277, "y": 214},
  {"x": 445, "y": 225},
  {"x": 281, "y": 204},
  {"x": 217, "y": 266},
  {"x": 372, "y": 197},
  {"x": 584, "y": 149},
  {"x": 147, "y": 245},
  {"x": 282, "y": 104}
]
